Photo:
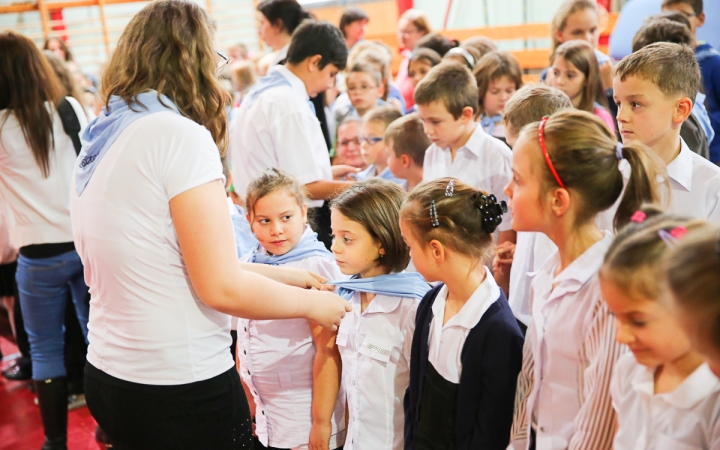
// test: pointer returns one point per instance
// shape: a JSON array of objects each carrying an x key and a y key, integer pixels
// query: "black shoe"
[
  {"x": 53, "y": 400},
  {"x": 19, "y": 370}
]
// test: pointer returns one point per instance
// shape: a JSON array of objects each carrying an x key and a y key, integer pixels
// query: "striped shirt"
[{"x": 568, "y": 359}]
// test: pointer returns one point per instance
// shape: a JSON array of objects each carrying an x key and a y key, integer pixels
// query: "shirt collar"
[
  {"x": 680, "y": 169},
  {"x": 584, "y": 267},
  {"x": 695, "y": 388},
  {"x": 472, "y": 311},
  {"x": 476, "y": 141},
  {"x": 383, "y": 304},
  {"x": 295, "y": 82}
]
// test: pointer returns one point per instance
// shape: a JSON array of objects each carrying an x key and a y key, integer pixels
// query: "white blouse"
[
  {"x": 447, "y": 341},
  {"x": 276, "y": 363},
  {"x": 568, "y": 358},
  {"x": 687, "y": 418},
  {"x": 375, "y": 348}
]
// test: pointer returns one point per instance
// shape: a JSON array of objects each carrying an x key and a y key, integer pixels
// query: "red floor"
[{"x": 20, "y": 426}]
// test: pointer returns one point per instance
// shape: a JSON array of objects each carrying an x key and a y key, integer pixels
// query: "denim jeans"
[{"x": 44, "y": 285}]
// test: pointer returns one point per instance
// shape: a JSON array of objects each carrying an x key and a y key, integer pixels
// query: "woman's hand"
[
  {"x": 290, "y": 276},
  {"x": 320, "y": 436},
  {"x": 325, "y": 309},
  {"x": 341, "y": 171}
]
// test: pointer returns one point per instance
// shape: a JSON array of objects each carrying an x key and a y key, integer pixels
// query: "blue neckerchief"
[
  {"x": 705, "y": 51},
  {"x": 388, "y": 175},
  {"x": 405, "y": 284},
  {"x": 272, "y": 80},
  {"x": 488, "y": 122},
  {"x": 601, "y": 57},
  {"x": 244, "y": 238},
  {"x": 307, "y": 247},
  {"x": 105, "y": 129},
  {"x": 700, "y": 113}
]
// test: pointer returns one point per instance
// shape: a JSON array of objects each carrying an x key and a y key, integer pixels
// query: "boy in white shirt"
[
  {"x": 276, "y": 124},
  {"x": 447, "y": 100},
  {"x": 654, "y": 89}
]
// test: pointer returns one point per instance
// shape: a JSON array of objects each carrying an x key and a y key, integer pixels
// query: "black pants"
[
  {"x": 209, "y": 414},
  {"x": 259, "y": 446}
]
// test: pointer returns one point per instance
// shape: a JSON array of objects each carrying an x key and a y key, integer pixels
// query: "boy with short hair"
[
  {"x": 653, "y": 89},
  {"x": 374, "y": 149},
  {"x": 529, "y": 104},
  {"x": 447, "y": 102},
  {"x": 406, "y": 142},
  {"x": 709, "y": 60},
  {"x": 365, "y": 90},
  {"x": 276, "y": 124}
]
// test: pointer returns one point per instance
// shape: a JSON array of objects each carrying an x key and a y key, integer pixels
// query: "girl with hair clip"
[
  {"x": 692, "y": 270},
  {"x": 664, "y": 394},
  {"x": 291, "y": 368},
  {"x": 153, "y": 229},
  {"x": 575, "y": 72},
  {"x": 565, "y": 173},
  {"x": 375, "y": 339},
  {"x": 467, "y": 346}
]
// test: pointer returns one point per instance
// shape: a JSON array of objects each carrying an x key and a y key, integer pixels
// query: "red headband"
[{"x": 541, "y": 138}]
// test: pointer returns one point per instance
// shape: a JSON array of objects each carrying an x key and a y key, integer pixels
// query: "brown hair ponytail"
[{"x": 584, "y": 153}]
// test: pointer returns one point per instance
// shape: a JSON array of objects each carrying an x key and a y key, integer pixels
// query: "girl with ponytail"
[{"x": 566, "y": 172}]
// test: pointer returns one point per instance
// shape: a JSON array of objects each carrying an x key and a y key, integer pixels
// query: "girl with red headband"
[{"x": 565, "y": 173}]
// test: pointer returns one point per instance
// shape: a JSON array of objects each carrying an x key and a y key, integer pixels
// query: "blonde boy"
[
  {"x": 406, "y": 143},
  {"x": 654, "y": 88}
]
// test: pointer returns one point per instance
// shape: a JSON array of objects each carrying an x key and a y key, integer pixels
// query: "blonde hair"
[
  {"x": 493, "y": 66},
  {"x": 583, "y": 152},
  {"x": 268, "y": 182},
  {"x": 243, "y": 75},
  {"x": 634, "y": 260},
  {"x": 167, "y": 46},
  {"x": 692, "y": 270},
  {"x": 565, "y": 10},
  {"x": 581, "y": 55},
  {"x": 419, "y": 20},
  {"x": 531, "y": 103},
  {"x": 465, "y": 220}
]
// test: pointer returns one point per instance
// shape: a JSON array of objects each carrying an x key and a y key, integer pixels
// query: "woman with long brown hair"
[
  {"x": 36, "y": 165},
  {"x": 152, "y": 226}
]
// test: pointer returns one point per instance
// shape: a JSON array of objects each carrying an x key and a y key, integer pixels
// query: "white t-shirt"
[
  {"x": 147, "y": 325},
  {"x": 279, "y": 130},
  {"x": 375, "y": 349},
  {"x": 688, "y": 418},
  {"x": 484, "y": 163},
  {"x": 38, "y": 208}
]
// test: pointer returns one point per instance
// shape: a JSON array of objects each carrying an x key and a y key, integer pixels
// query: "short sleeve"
[{"x": 191, "y": 157}]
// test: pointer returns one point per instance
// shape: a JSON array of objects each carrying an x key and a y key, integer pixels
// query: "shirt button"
[
  {"x": 263, "y": 412},
  {"x": 244, "y": 352},
  {"x": 245, "y": 328},
  {"x": 542, "y": 429},
  {"x": 248, "y": 372}
]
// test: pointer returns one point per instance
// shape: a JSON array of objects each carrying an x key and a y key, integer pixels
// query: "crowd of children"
[
  {"x": 596, "y": 227},
  {"x": 529, "y": 267}
]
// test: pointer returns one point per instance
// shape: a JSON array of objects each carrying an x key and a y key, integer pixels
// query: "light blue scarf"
[
  {"x": 700, "y": 113},
  {"x": 405, "y": 284},
  {"x": 102, "y": 132},
  {"x": 272, "y": 80},
  {"x": 244, "y": 238},
  {"x": 307, "y": 247},
  {"x": 488, "y": 122}
]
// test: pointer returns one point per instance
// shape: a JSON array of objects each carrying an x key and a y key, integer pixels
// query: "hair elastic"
[
  {"x": 638, "y": 217},
  {"x": 619, "y": 151},
  {"x": 672, "y": 237},
  {"x": 541, "y": 138}
]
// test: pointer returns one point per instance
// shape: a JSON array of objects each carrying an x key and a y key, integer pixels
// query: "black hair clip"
[
  {"x": 491, "y": 211},
  {"x": 434, "y": 221},
  {"x": 450, "y": 189}
]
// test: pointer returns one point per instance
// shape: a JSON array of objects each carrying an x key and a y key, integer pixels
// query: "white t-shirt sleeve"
[{"x": 194, "y": 160}]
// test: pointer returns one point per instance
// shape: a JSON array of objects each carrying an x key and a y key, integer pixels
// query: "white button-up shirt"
[
  {"x": 446, "y": 341},
  {"x": 568, "y": 358},
  {"x": 484, "y": 163},
  {"x": 276, "y": 363},
  {"x": 279, "y": 130},
  {"x": 687, "y": 418},
  {"x": 375, "y": 348},
  {"x": 695, "y": 183}
]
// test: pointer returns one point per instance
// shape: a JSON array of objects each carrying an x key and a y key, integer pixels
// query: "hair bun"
[{"x": 491, "y": 211}]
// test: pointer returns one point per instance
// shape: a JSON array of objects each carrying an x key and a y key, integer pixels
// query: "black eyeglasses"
[{"x": 224, "y": 61}]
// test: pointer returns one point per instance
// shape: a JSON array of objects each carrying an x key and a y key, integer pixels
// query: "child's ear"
[
  {"x": 560, "y": 201},
  {"x": 701, "y": 19},
  {"x": 436, "y": 250},
  {"x": 304, "y": 212},
  {"x": 406, "y": 161},
  {"x": 683, "y": 108},
  {"x": 467, "y": 115},
  {"x": 381, "y": 90},
  {"x": 313, "y": 63},
  {"x": 559, "y": 36}
]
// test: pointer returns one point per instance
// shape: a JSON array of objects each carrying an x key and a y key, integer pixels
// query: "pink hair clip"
[
  {"x": 638, "y": 217},
  {"x": 678, "y": 232}
]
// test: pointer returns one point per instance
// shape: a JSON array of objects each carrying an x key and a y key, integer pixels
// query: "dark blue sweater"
[
  {"x": 709, "y": 60},
  {"x": 491, "y": 360}
]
